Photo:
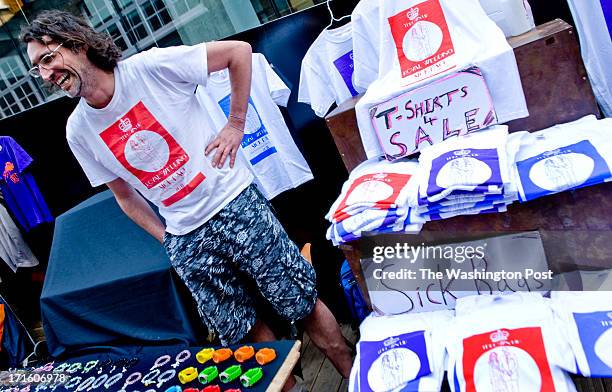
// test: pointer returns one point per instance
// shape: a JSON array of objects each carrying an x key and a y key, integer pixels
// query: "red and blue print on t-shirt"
[
  {"x": 464, "y": 168},
  {"x": 345, "y": 66},
  {"x": 397, "y": 361},
  {"x": 256, "y": 142},
  {"x": 423, "y": 40},
  {"x": 507, "y": 360},
  {"x": 595, "y": 331},
  {"x": 146, "y": 149},
  {"x": 574, "y": 166}
]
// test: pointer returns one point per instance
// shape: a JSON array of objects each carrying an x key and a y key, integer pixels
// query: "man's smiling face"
[{"x": 60, "y": 66}]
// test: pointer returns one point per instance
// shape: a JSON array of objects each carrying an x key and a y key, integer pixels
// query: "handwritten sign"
[
  {"x": 427, "y": 278},
  {"x": 453, "y": 106}
]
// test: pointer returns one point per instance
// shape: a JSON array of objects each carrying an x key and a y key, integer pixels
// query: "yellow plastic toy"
[
  {"x": 187, "y": 375},
  {"x": 205, "y": 355}
]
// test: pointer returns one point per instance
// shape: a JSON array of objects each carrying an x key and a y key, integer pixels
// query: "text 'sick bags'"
[
  {"x": 508, "y": 343},
  {"x": 587, "y": 320}
]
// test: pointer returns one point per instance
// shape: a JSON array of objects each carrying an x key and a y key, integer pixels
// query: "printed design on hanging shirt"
[
  {"x": 148, "y": 151},
  {"x": 568, "y": 167},
  {"x": 345, "y": 66},
  {"x": 595, "y": 332},
  {"x": 381, "y": 190},
  {"x": 256, "y": 142},
  {"x": 423, "y": 41},
  {"x": 8, "y": 173},
  {"x": 507, "y": 360},
  {"x": 465, "y": 167},
  {"x": 393, "y": 362}
]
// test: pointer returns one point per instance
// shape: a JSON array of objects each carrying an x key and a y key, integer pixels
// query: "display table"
[
  {"x": 109, "y": 283},
  {"x": 137, "y": 368}
]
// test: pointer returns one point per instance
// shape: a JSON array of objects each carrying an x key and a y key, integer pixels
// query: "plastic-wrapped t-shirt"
[
  {"x": 566, "y": 156},
  {"x": 508, "y": 343},
  {"x": 587, "y": 323},
  {"x": 401, "y": 353},
  {"x": 375, "y": 199},
  {"x": 476, "y": 163},
  {"x": 420, "y": 41},
  {"x": 375, "y": 184}
]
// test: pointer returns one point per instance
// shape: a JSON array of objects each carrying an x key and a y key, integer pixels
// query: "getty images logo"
[
  {"x": 499, "y": 336},
  {"x": 413, "y": 13}
]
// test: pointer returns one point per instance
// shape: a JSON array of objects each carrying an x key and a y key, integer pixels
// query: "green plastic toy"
[
  {"x": 208, "y": 375},
  {"x": 251, "y": 377},
  {"x": 230, "y": 374}
]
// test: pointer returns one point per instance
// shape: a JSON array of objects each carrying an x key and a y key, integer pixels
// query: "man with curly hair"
[{"x": 139, "y": 129}]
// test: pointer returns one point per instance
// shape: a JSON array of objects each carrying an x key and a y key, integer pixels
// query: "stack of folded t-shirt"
[
  {"x": 375, "y": 199},
  {"x": 401, "y": 353},
  {"x": 468, "y": 175},
  {"x": 508, "y": 343},
  {"x": 566, "y": 156}
]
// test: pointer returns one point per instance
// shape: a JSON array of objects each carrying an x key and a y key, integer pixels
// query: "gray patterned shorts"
[{"x": 245, "y": 237}]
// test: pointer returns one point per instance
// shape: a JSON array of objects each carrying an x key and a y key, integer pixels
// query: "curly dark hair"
[{"x": 75, "y": 34}]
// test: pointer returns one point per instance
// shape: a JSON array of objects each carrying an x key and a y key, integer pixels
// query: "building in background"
[{"x": 135, "y": 25}]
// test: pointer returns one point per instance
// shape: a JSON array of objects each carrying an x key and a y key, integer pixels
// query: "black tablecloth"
[
  {"x": 145, "y": 358},
  {"x": 108, "y": 282}
]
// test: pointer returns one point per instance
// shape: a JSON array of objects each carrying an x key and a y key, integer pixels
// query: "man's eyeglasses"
[{"x": 45, "y": 62}]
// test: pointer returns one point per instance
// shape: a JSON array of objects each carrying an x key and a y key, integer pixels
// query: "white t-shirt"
[
  {"x": 366, "y": 37},
  {"x": 153, "y": 134},
  {"x": 565, "y": 156},
  {"x": 594, "y": 23},
  {"x": 327, "y": 70},
  {"x": 273, "y": 157},
  {"x": 402, "y": 352},
  {"x": 447, "y": 39},
  {"x": 586, "y": 320},
  {"x": 507, "y": 342}
]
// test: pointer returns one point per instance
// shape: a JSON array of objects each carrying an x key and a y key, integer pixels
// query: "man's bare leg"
[
  {"x": 260, "y": 332},
  {"x": 324, "y": 331}
]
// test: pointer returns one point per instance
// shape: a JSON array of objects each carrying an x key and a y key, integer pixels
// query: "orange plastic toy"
[
  {"x": 221, "y": 355},
  {"x": 244, "y": 353},
  {"x": 265, "y": 355}
]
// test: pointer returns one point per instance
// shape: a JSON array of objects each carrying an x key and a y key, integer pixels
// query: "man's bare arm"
[
  {"x": 137, "y": 208},
  {"x": 236, "y": 57}
]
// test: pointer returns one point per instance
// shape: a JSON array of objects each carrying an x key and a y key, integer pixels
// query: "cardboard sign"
[
  {"x": 410, "y": 283},
  {"x": 453, "y": 106}
]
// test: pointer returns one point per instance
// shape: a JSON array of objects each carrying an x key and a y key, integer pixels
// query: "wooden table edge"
[{"x": 285, "y": 370}]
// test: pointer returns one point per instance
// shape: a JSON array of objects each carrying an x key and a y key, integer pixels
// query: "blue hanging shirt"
[{"x": 22, "y": 196}]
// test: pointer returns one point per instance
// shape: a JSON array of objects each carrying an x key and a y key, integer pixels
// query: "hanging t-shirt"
[
  {"x": 566, "y": 156},
  {"x": 366, "y": 36},
  {"x": 594, "y": 23},
  {"x": 153, "y": 134},
  {"x": 508, "y": 343},
  {"x": 421, "y": 41},
  {"x": 401, "y": 353},
  {"x": 587, "y": 322},
  {"x": 13, "y": 249},
  {"x": 274, "y": 159},
  {"x": 327, "y": 70},
  {"x": 21, "y": 194}
]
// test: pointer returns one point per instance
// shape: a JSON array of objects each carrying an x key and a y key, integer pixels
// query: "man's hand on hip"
[{"x": 227, "y": 144}]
